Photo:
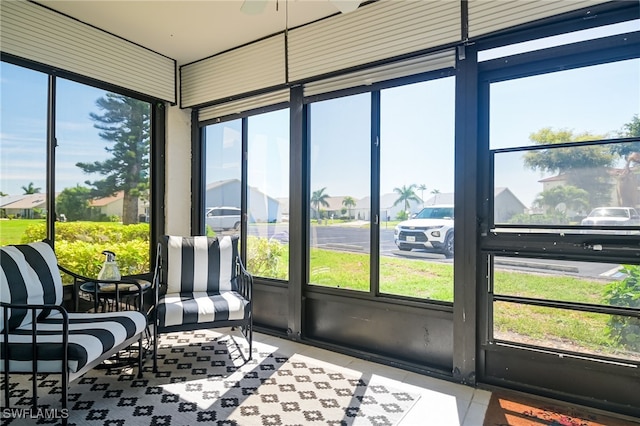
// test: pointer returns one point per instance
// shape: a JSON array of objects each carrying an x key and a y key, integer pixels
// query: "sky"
[
  {"x": 340, "y": 143},
  {"x": 23, "y": 130},
  {"x": 417, "y": 126},
  {"x": 268, "y": 138},
  {"x": 598, "y": 100}
]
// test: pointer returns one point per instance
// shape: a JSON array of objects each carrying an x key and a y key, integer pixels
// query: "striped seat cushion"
[
  {"x": 29, "y": 274},
  {"x": 200, "y": 307},
  {"x": 199, "y": 264},
  {"x": 90, "y": 336}
]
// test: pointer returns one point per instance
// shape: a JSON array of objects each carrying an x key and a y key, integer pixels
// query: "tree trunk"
[
  {"x": 627, "y": 189},
  {"x": 129, "y": 209}
]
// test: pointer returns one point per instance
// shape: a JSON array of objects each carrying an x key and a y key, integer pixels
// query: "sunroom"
[{"x": 523, "y": 115}]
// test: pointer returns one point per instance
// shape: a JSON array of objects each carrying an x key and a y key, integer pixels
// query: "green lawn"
[
  {"x": 416, "y": 278},
  {"x": 426, "y": 280},
  {"x": 11, "y": 231}
]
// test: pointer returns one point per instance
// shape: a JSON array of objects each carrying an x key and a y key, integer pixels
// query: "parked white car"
[
  {"x": 223, "y": 218},
  {"x": 612, "y": 216},
  {"x": 432, "y": 227}
]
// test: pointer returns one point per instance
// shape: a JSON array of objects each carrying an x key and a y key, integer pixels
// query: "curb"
[{"x": 527, "y": 264}]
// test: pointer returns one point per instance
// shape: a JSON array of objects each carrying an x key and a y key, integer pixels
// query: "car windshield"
[
  {"x": 435, "y": 213},
  {"x": 609, "y": 213}
]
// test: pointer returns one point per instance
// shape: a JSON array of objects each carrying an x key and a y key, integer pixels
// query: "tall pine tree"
[{"x": 125, "y": 123}]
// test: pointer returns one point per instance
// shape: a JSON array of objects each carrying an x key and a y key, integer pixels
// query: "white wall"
[{"x": 178, "y": 172}]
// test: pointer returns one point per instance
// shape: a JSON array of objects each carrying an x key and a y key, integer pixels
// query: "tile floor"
[{"x": 441, "y": 402}]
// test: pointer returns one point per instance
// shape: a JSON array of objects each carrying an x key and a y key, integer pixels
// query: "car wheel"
[
  {"x": 447, "y": 249},
  {"x": 236, "y": 226}
]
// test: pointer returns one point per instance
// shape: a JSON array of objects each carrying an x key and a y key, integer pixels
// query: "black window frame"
[
  {"x": 198, "y": 184},
  {"x": 542, "y": 241},
  {"x": 156, "y": 154},
  {"x": 374, "y": 273}
]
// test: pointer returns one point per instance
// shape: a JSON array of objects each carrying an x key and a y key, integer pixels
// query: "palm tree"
[
  {"x": 406, "y": 195},
  {"x": 30, "y": 189},
  {"x": 319, "y": 198},
  {"x": 422, "y": 187},
  {"x": 349, "y": 202},
  {"x": 573, "y": 198},
  {"x": 435, "y": 192}
]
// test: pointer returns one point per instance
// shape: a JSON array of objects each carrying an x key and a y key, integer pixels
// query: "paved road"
[{"x": 357, "y": 239}]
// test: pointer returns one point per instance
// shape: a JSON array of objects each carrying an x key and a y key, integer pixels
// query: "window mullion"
[
  {"x": 51, "y": 157},
  {"x": 374, "y": 252}
]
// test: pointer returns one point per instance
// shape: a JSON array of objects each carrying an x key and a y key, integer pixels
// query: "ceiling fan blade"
[
  {"x": 253, "y": 7},
  {"x": 346, "y": 6}
]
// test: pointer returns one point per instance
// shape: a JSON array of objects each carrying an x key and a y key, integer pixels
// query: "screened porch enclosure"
[{"x": 321, "y": 143}]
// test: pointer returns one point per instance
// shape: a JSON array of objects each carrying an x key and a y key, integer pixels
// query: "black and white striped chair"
[
  {"x": 200, "y": 283},
  {"x": 38, "y": 335}
]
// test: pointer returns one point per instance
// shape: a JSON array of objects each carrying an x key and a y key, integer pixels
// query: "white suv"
[
  {"x": 612, "y": 216},
  {"x": 431, "y": 227},
  {"x": 223, "y": 218}
]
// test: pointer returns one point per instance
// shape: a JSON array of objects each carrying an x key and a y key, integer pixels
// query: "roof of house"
[
  {"x": 447, "y": 197},
  {"x": 440, "y": 198},
  {"x": 335, "y": 203},
  {"x": 8, "y": 199},
  {"x": 555, "y": 178},
  {"x": 221, "y": 183},
  {"x": 25, "y": 201},
  {"x": 105, "y": 201},
  {"x": 504, "y": 190}
]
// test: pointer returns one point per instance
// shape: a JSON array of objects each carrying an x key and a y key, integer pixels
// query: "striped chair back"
[
  {"x": 199, "y": 264},
  {"x": 29, "y": 274}
]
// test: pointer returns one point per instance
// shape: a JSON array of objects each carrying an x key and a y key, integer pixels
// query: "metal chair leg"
[
  {"x": 155, "y": 348},
  {"x": 140, "y": 350}
]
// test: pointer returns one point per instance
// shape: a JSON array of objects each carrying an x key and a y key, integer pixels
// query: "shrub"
[
  {"x": 79, "y": 246},
  {"x": 625, "y": 330},
  {"x": 86, "y": 258},
  {"x": 402, "y": 215},
  {"x": 35, "y": 232},
  {"x": 263, "y": 257},
  {"x": 89, "y": 232}
]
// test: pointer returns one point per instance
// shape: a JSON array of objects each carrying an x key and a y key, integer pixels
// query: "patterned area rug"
[
  {"x": 509, "y": 409},
  {"x": 203, "y": 378}
]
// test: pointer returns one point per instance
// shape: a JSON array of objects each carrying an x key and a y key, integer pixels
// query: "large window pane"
[
  {"x": 268, "y": 195},
  {"x": 416, "y": 190},
  {"x": 556, "y": 186},
  {"x": 559, "y": 40},
  {"x": 593, "y": 102},
  {"x": 223, "y": 178},
  {"x": 102, "y": 177},
  {"x": 560, "y": 280},
  {"x": 584, "y": 332},
  {"x": 340, "y": 151},
  {"x": 23, "y": 154},
  {"x": 584, "y": 185}
]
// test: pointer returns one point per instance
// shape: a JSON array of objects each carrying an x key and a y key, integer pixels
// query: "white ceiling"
[{"x": 190, "y": 30}]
